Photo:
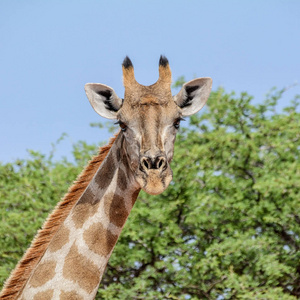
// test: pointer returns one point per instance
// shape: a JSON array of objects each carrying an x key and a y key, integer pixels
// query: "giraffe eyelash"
[
  {"x": 176, "y": 124},
  {"x": 122, "y": 125}
]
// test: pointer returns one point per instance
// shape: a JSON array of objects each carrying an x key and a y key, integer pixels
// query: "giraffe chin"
[{"x": 155, "y": 182}]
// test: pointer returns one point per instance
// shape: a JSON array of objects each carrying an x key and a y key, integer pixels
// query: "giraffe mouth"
[{"x": 154, "y": 181}]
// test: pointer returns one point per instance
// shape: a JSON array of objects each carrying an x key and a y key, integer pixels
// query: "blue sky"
[{"x": 50, "y": 49}]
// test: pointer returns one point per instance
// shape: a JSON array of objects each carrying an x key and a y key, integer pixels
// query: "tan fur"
[
  {"x": 46, "y": 295},
  {"x": 43, "y": 273},
  {"x": 69, "y": 296},
  {"x": 128, "y": 77},
  {"x": 82, "y": 211},
  {"x": 20, "y": 275},
  {"x": 99, "y": 239},
  {"x": 86, "y": 274},
  {"x": 165, "y": 75},
  {"x": 60, "y": 239}
]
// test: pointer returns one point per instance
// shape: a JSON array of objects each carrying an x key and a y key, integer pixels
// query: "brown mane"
[{"x": 19, "y": 276}]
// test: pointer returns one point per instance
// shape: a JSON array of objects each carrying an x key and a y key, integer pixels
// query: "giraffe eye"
[
  {"x": 122, "y": 125},
  {"x": 176, "y": 124}
]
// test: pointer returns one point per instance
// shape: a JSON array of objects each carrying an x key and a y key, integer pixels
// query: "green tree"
[{"x": 226, "y": 228}]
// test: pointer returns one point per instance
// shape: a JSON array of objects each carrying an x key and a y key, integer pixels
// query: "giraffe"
[{"x": 69, "y": 255}]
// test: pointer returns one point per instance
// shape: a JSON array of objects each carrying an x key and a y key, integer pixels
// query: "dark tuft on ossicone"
[
  {"x": 163, "y": 61},
  {"x": 127, "y": 63}
]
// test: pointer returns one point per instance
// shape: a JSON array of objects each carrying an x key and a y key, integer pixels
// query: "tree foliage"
[{"x": 226, "y": 228}]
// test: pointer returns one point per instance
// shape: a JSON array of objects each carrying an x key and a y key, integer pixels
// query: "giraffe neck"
[{"x": 75, "y": 259}]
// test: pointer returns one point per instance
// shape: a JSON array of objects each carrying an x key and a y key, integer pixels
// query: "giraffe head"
[{"x": 149, "y": 117}]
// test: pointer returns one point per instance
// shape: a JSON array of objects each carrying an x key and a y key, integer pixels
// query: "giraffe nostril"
[
  {"x": 145, "y": 163},
  {"x": 160, "y": 163}
]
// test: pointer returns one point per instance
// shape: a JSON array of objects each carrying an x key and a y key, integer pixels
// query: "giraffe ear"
[
  {"x": 103, "y": 99},
  {"x": 193, "y": 95}
]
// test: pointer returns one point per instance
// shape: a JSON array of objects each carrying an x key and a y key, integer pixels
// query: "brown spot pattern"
[
  {"x": 60, "y": 239},
  {"x": 43, "y": 273},
  {"x": 134, "y": 196},
  {"x": 82, "y": 212},
  {"x": 122, "y": 181},
  {"x": 87, "y": 196},
  {"x": 118, "y": 154},
  {"x": 107, "y": 172},
  {"x": 81, "y": 270},
  {"x": 115, "y": 209},
  {"x": 70, "y": 296},
  {"x": 46, "y": 295},
  {"x": 99, "y": 239}
]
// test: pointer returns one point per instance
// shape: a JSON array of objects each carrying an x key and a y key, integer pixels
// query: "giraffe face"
[
  {"x": 149, "y": 118},
  {"x": 149, "y": 131}
]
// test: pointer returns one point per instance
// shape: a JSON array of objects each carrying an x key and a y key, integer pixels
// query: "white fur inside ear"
[
  {"x": 103, "y": 99},
  {"x": 193, "y": 95}
]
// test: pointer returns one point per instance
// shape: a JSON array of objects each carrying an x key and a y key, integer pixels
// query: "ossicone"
[
  {"x": 165, "y": 75},
  {"x": 128, "y": 74}
]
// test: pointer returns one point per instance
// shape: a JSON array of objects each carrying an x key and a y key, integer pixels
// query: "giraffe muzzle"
[{"x": 155, "y": 174}]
